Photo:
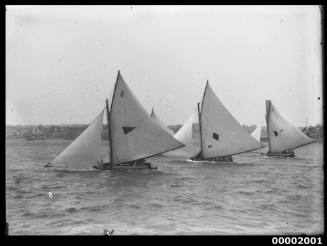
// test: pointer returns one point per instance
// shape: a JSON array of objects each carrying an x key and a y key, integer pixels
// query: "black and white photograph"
[{"x": 164, "y": 120}]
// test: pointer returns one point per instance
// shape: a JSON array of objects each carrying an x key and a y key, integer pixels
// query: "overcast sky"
[{"x": 62, "y": 61}]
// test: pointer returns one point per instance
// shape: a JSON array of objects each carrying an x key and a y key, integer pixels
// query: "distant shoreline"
[{"x": 71, "y": 132}]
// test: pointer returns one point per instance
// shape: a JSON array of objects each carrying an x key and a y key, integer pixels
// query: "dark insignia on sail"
[
  {"x": 276, "y": 133},
  {"x": 128, "y": 129},
  {"x": 209, "y": 146},
  {"x": 122, "y": 94},
  {"x": 215, "y": 136}
]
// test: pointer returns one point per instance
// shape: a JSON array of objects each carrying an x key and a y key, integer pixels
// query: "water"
[{"x": 255, "y": 195}]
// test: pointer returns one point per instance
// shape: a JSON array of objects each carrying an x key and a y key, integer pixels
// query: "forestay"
[
  {"x": 133, "y": 134},
  {"x": 221, "y": 134},
  {"x": 282, "y": 134},
  {"x": 85, "y": 150}
]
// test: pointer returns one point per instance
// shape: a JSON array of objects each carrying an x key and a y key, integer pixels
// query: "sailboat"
[
  {"x": 221, "y": 136},
  {"x": 183, "y": 135},
  {"x": 283, "y": 136},
  {"x": 132, "y": 135}
]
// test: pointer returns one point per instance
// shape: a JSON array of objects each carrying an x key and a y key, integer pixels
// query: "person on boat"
[
  {"x": 102, "y": 165},
  {"x": 142, "y": 163},
  {"x": 137, "y": 163},
  {"x": 289, "y": 153},
  {"x": 198, "y": 156},
  {"x": 48, "y": 164}
]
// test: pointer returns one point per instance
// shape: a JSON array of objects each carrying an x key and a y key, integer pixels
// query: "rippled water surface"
[{"x": 254, "y": 195}]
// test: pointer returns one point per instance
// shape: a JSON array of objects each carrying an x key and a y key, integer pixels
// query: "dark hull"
[
  {"x": 222, "y": 159},
  {"x": 123, "y": 168},
  {"x": 282, "y": 154},
  {"x": 107, "y": 166}
]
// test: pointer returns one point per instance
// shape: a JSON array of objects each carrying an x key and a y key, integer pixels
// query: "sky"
[{"x": 62, "y": 61}]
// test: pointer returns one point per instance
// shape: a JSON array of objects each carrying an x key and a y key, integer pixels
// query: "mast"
[
  {"x": 268, "y": 105},
  {"x": 109, "y": 147},
  {"x": 199, "y": 112},
  {"x": 199, "y": 115},
  {"x": 109, "y": 114}
]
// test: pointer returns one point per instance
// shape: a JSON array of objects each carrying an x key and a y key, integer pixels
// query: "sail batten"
[
  {"x": 221, "y": 134},
  {"x": 282, "y": 134},
  {"x": 142, "y": 136}
]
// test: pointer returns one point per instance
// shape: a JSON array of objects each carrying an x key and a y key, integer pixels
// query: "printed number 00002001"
[{"x": 296, "y": 240}]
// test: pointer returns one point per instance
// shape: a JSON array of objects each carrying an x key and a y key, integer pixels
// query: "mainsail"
[
  {"x": 85, "y": 150},
  {"x": 221, "y": 134},
  {"x": 282, "y": 134},
  {"x": 183, "y": 135},
  {"x": 133, "y": 134}
]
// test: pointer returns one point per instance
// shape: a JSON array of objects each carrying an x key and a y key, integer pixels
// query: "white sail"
[
  {"x": 185, "y": 136},
  {"x": 282, "y": 134},
  {"x": 160, "y": 123},
  {"x": 221, "y": 134},
  {"x": 257, "y": 133},
  {"x": 185, "y": 133},
  {"x": 133, "y": 134},
  {"x": 84, "y": 151}
]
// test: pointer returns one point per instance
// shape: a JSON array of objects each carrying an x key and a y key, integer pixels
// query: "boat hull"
[
  {"x": 222, "y": 159},
  {"x": 282, "y": 154},
  {"x": 107, "y": 166}
]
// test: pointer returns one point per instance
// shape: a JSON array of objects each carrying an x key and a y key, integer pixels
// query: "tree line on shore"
[{"x": 72, "y": 131}]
